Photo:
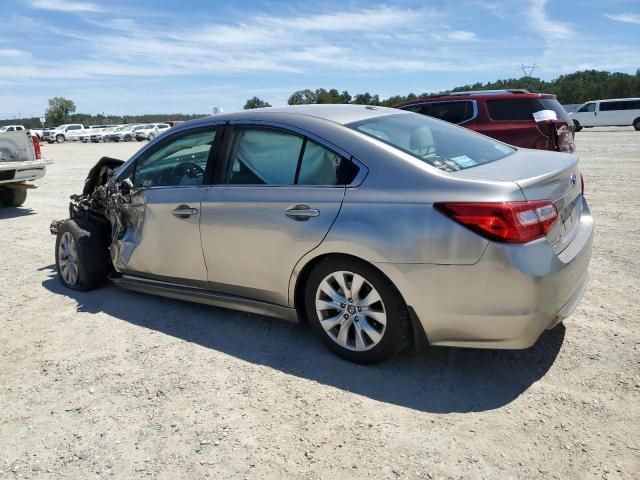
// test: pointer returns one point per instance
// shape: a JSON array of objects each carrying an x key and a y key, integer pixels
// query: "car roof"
[
  {"x": 337, "y": 113},
  {"x": 479, "y": 94}
]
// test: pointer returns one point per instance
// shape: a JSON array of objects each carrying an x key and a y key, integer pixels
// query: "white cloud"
[
  {"x": 13, "y": 53},
  {"x": 624, "y": 17},
  {"x": 545, "y": 26},
  {"x": 455, "y": 36},
  {"x": 365, "y": 20},
  {"x": 71, "y": 6}
]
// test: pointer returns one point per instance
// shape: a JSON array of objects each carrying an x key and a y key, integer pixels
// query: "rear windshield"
[
  {"x": 523, "y": 108},
  {"x": 435, "y": 142}
]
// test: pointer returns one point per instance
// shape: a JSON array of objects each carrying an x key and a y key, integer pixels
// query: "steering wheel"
[{"x": 190, "y": 169}]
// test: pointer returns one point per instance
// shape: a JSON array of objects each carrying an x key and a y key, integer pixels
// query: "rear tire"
[
  {"x": 577, "y": 126},
  {"x": 82, "y": 255},
  {"x": 368, "y": 322},
  {"x": 12, "y": 197},
  {"x": 127, "y": 138},
  {"x": 636, "y": 124}
]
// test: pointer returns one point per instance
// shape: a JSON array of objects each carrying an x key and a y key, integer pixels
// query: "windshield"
[{"x": 435, "y": 142}]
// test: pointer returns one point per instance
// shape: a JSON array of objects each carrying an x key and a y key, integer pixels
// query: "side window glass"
[
  {"x": 181, "y": 160},
  {"x": 589, "y": 107},
  {"x": 262, "y": 156},
  {"x": 413, "y": 108},
  {"x": 321, "y": 166},
  {"x": 453, "y": 112}
]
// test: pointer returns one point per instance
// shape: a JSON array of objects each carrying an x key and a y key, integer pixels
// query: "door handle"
[
  {"x": 184, "y": 211},
  {"x": 301, "y": 212}
]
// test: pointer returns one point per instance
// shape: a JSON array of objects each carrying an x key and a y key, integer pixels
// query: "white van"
[{"x": 616, "y": 112}]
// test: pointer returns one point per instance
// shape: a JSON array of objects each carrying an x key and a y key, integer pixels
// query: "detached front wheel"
[
  {"x": 356, "y": 310},
  {"x": 82, "y": 259}
]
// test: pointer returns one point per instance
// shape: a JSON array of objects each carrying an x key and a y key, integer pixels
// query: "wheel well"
[
  {"x": 635, "y": 120},
  {"x": 418, "y": 336}
]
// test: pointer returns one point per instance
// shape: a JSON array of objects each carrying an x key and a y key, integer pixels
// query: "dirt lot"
[{"x": 124, "y": 385}]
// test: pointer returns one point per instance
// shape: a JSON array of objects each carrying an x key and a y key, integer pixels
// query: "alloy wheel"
[
  {"x": 351, "y": 311},
  {"x": 68, "y": 258}
]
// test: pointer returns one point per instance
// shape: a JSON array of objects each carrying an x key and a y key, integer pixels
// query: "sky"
[{"x": 152, "y": 56}]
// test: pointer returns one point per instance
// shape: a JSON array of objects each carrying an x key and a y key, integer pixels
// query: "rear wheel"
[
  {"x": 355, "y": 310},
  {"x": 127, "y": 138},
  {"x": 577, "y": 126},
  {"x": 82, "y": 259},
  {"x": 636, "y": 124},
  {"x": 12, "y": 197}
]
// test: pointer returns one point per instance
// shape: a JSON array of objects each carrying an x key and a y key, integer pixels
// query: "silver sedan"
[{"x": 375, "y": 225}]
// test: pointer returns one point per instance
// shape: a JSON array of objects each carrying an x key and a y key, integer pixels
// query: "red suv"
[{"x": 517, "y": 117}]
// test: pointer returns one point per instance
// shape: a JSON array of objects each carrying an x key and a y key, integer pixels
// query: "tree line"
[
  {"x": 578, "y": 87},
  {"x": 62, "y": 110}
]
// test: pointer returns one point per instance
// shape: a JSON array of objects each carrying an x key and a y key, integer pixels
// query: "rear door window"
[
  {"x": 452, "y": 112},
  {"x": 267, "y": 156}
]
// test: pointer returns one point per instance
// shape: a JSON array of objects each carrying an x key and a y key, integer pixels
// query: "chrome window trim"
[{"x": 473, "y": 102}]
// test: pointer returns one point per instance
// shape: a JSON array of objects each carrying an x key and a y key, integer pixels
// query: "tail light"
[
  {"x": 36, "y": 147},
  {"x": 505, "y": 222}
]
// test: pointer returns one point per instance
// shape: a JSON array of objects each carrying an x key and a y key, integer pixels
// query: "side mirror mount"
[{"x": 125, "y": 187}]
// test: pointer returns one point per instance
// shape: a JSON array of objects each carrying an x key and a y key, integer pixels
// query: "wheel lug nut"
[
  {"x": 351, "y": 300},
  {"x": 342, "y": 305},
  {"x": 359, "y": 309}
]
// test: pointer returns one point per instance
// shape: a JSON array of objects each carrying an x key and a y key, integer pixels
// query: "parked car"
[
  {"x": 103, "y": 134},
  {"x": 12, "y": 128},
  {"x": 374, "y": 224},
  {"x": 20, "y": 162},
  {"x": 61, "y": 133},
  {"x": 87, "y": 133},
  {"x": 126, "y": 133},
  {"x": 517, "y": 117},
  {"x": 150, "y": 131},
  {"x": 617, "y": 112}
]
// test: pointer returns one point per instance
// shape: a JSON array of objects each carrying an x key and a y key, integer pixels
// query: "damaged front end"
[
  {"x": 115, "y": 206},
  {"x": 94, "y": 201}
]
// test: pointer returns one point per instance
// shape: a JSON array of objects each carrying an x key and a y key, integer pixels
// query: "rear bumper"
[
  {"x": 15, "y": 172},
  {"x": 506, "y": 299}
]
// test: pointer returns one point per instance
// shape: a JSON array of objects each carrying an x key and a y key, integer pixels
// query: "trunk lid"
[{"x": 541, "y": 176}]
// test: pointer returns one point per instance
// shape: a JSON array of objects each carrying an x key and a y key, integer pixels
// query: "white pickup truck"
[
  {"x": 20, "y": 162},
  {"x": 60, "y": 134}
]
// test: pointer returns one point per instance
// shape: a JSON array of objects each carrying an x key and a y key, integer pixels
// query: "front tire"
[
  {"x": 12, "y": 197},
  {"x": 151, "y": 136},
  {"x": 60, "y": 138},
  {"x": 82, "y": 255},
  {"x": 356, "y": 310}
]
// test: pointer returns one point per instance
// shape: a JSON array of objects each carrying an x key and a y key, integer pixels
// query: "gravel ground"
[{"x": 117, "y": 384}]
